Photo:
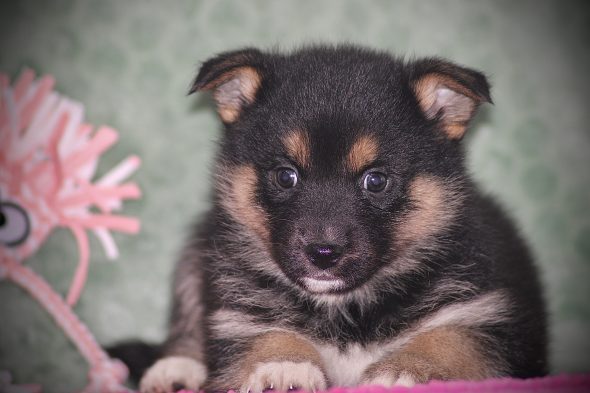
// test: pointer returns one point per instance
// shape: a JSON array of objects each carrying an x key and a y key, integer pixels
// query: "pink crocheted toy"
[{"x": 48, "y": 158}]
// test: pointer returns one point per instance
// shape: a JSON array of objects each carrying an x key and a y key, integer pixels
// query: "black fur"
[{"x": 138, "y": 356}]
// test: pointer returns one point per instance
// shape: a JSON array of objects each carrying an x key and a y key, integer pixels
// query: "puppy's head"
[{"x": 340, "y": 162}]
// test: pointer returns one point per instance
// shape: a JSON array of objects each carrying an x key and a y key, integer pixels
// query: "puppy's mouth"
[
  {"x": 318, "y": 274},
  {"x": 323, "y": 283}
]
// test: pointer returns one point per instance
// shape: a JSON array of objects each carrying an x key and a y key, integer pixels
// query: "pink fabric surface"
[{"x": 578, "y": 383}]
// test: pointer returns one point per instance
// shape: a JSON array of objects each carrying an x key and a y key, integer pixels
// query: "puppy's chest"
[{"x": 345, "y": 367}]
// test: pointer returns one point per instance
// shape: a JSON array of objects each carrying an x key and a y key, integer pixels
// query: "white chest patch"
[{"x": 345, "y": 368}]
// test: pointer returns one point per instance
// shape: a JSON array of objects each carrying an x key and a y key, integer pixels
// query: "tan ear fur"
[
  {"x": 233, "y": 91},
  {"x": 234, "y": 77},
  {"x": 448, "y": 93},
  {"x": 453, "y": 104}
]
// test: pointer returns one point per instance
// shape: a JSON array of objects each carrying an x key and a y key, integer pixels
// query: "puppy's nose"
[{"x": 323, "y": 255}]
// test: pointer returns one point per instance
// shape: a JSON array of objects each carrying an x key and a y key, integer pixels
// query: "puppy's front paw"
[
  {"x": 405, "y": 371},
  {"x": 404, "y": 378},
  {"x": 284, "y": 376},
  {"x": 173, "y": 373}
]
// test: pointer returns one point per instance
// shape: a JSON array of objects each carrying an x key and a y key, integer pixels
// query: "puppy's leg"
[
  {"x": 183, "y": 363},
  {"x": 444, "y": 353},
  {"x": 280, "y": 361}
]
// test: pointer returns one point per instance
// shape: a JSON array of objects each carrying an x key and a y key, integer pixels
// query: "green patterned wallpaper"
[{"x": 130, "y": 63}]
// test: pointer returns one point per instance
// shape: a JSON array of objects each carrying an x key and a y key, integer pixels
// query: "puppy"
[{"x": 347, "y": 244}]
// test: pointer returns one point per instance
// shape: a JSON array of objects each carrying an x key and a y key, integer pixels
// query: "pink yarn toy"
[{"x": 48, "y": 158}]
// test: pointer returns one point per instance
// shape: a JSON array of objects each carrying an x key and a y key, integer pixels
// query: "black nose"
[{"x": 323, "y": 255}]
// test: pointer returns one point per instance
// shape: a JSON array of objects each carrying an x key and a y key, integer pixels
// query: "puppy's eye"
[
  {"x": 286, "y": 177},
  {"x": 374, "y": 181}
]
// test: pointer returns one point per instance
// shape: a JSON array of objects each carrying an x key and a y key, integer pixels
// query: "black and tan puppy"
[{"x": 346, "y": 244}]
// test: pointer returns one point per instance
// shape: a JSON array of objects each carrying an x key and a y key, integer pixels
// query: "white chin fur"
[{"x": 322, "y": 286}]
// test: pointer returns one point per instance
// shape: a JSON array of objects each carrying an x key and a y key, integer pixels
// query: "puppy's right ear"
[{"x": 234, "y": 77}]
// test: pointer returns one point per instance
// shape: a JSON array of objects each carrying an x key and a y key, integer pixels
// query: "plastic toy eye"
[
  {"x": 14, "y": 224},
  {"x": 286, "y": 177},
  {"x": 375, "y": 181}
]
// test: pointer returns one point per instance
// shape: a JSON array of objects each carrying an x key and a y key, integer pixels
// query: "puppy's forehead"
[{"x": 349, "y": 154}]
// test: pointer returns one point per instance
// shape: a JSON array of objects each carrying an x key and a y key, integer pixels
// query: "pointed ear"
[
  {"x": 449, "y": 94},
  {"x": 234, "y": 78}
]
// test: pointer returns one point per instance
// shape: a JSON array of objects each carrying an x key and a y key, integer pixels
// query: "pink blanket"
[{"x": 554, "y": 384}]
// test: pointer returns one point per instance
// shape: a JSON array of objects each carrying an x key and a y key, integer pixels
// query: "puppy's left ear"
[
  {"x": 449, "y": 94},
  {"x": 234, "y": 77}
]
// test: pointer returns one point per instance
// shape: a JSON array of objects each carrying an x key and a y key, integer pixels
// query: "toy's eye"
[
  {"x": 286, "y": 177},
  {"x": 14, "y": 224},
  {"x": 374, "y": 181}
]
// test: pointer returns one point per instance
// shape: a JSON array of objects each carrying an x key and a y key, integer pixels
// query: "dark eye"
[
  {"x": 14, "y": 224},
  {"x": 286, "y": 177},
  {"x": 374, "y": 181}
]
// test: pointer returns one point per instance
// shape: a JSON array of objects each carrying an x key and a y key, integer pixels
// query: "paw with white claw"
[
  {"x": 402, "y": 379},
  {"x": 284, "y": 376},
  {"x": 173, "y": 373},
  {"x": 406, "y": 370}
]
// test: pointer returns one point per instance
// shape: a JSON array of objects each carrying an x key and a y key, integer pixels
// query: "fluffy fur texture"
[{"x": 346, "y": 243}]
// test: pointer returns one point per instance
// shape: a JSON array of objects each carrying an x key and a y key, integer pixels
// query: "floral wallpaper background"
[{"x": 131, "y": 63}]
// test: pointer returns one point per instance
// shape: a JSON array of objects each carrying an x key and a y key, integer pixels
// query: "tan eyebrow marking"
[
  {"x": 363, "y": 152},
  {"x": 297, "y": 145}
]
